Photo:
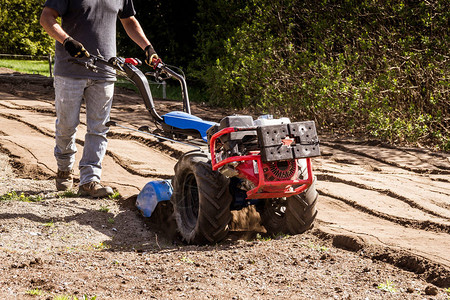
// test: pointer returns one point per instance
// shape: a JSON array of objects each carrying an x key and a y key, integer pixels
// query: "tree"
[{"x": 20, "y": 28}]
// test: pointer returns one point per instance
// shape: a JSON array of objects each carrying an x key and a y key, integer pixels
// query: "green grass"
[
  {"x": 387, "y": 287},
  {"x": 50, "y": 224},
  {"x": 115, "y": 196},
  {"x": 318, "y": 247},
  {"x": 265, "y": 238},
  {"x": 14, "y": 196},
  {"x": 67, "y": 194},
  {"x": 100, "y": 246},
  {"x": 34, "y": 292},
  {"x": 186, "y": 260},
  {"x": 104, "y": 209},
  {"x": 26, "y": 66}
]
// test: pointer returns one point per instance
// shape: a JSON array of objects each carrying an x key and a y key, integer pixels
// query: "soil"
[{"x": 382, "y": 230}]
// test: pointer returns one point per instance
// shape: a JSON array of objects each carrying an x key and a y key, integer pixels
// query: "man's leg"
[
  {"x": 68, "y": 98},
  {"x": 98, "y": 96}
]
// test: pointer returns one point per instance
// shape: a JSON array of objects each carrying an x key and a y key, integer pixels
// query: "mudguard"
[
  {"x": 152, "y": 193},
  {"x": 185, "y": 121}
]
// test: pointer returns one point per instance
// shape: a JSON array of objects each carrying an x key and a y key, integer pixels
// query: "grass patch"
[
  {"x": 115, "y": 196},
  {"x": 68, "y": 194},
  {"x": 265, "y": 238},
  {"x": 104, "y": 209},
  {"x": 14, "y": 196},
  {"x": 50, "y": 224},
  {"x": 26, "y": 66},
  {"x": 34, "y": 292},
  {"x": 186, "y": 260},
  {"x": 100, "y": 246},
  {"x": 318, "y": 248},
  {"x": 388, "y": 286}
]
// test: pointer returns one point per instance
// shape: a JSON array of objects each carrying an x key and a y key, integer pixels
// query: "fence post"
[
  {"x": 50, "y": 64},
  {"x": 164, "y": 89}
]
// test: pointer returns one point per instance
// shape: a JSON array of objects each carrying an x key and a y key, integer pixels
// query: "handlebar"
[{"x": 129, "y": 67}]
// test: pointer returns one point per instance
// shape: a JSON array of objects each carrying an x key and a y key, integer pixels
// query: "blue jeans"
[{"x": 69, "y": 94}]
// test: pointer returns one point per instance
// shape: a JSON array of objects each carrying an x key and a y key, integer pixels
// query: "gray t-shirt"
[{"x": 93, "y": 23}]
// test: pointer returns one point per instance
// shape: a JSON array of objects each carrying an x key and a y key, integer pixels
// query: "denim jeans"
[{"x": 69, "y": 95}]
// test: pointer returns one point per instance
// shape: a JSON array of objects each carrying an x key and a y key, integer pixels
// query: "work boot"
[
  {"x": 95, "y": 189},
  {"x": 64, "y": 180}
]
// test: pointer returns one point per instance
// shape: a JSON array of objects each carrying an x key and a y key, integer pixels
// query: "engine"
[{"x": 267, "y": 154}]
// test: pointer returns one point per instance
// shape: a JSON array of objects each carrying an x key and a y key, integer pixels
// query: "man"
[{"x": 87, "y": 26}]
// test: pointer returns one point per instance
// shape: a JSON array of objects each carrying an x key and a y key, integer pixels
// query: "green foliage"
[
  {"x": 387, "y": 287},
  {"x": 318, "y": 247},
  {"x": 115, "y": 196},
  {"x": 35, "y": 292},
  {"x": 278, "y": 236},
  {"x": 14, "y": 196},
  {"x": 50, "y": 224},
  {"x": 186, "y": 260},
  {"x": 104, "y": 209},
  {"x": 20, "y": 28},
  {"x": 67, "y": 194},
  {"x": 369, "y": 66}
]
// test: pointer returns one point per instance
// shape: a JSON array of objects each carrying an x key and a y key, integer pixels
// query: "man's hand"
[
  {"x": 75, "y": 48},
  {"x": 151, "y": 58}
]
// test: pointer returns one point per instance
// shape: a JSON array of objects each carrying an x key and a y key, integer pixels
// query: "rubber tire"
[
  {"x": 201, "y": 200},
  {"x": 293, "y": 215}
]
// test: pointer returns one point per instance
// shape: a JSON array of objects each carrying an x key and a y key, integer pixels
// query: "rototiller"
[{"x": 236, "y": 163}]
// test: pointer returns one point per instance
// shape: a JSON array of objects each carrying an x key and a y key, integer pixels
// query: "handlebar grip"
[{"x": 133, "y": 61}]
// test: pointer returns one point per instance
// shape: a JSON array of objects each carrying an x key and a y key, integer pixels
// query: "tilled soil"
[{"x": 382, "y": 230}]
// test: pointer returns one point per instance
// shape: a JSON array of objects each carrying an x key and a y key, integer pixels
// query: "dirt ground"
[{"x": 382, "y": 230}]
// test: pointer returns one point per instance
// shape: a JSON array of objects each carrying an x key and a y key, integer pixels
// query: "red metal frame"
[{"x": 292, "y": 187}]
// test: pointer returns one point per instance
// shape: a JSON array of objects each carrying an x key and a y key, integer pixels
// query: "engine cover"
[{"x": 288, "y": 141}]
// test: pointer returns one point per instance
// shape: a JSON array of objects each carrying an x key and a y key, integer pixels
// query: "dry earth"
[{"x": 382, "y": 230}]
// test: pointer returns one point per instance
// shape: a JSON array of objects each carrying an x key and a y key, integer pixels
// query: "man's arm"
[
  {"x": 48, "y": 22},
  {"x": 135, "y": 32}
]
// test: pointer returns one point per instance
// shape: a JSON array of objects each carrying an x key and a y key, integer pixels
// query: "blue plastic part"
[
  {"x": 182, "y": 120},
  {"x": 152, "y": 193}
]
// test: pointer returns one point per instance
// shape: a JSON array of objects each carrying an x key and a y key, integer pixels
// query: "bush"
[
  {"x": 20, "y": 28},
  {"x": 373, "y": 67}
]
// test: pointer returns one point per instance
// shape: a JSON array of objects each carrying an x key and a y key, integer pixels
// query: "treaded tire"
[
  {"x": 293, "y": 215},
  {"x": 201, "y": 200}
]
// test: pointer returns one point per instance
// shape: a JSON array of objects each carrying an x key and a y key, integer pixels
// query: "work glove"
[
  {"x": 151, "y": 58},
  {"x": 75, "y": 48}
]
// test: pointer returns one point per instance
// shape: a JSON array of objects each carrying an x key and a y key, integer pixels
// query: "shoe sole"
[
  {"x": 98, "y": 195},
  {"x": 63, "y": 188}
]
